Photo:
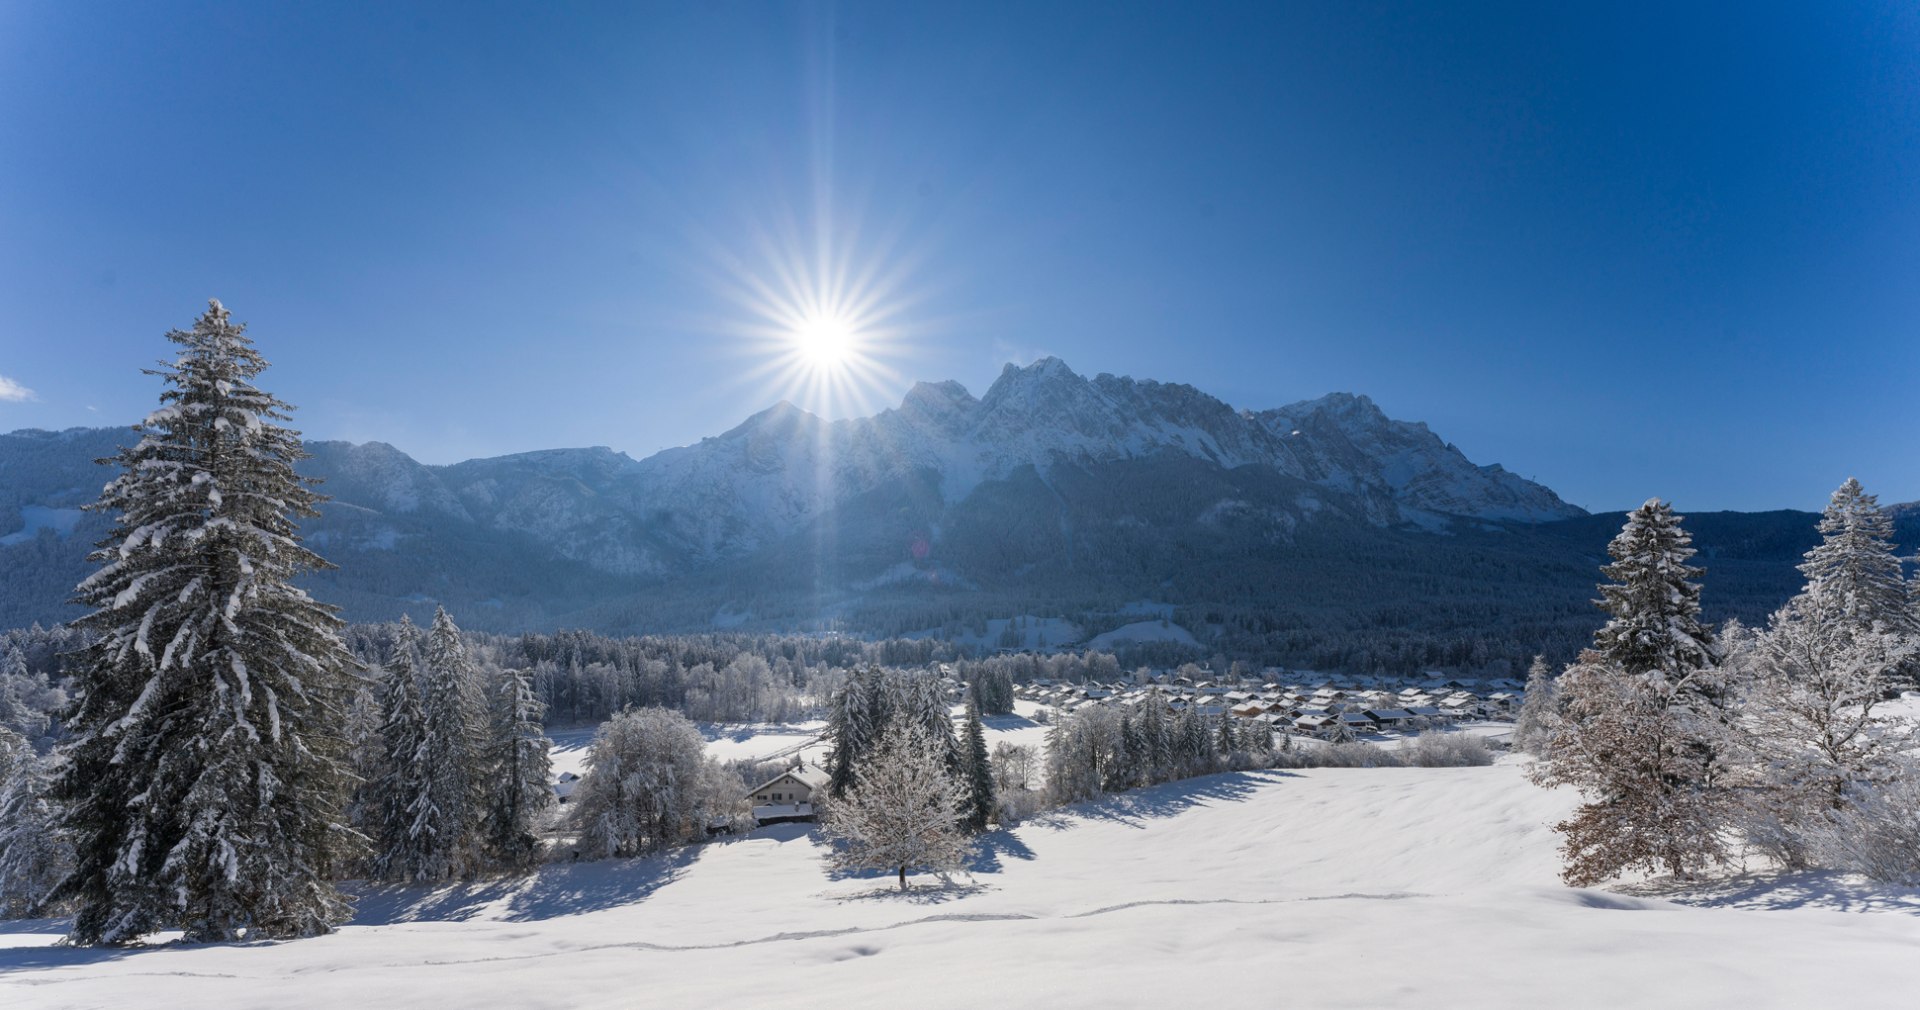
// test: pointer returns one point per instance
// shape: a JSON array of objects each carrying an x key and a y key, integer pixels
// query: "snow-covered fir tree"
[
  {"x": 922, "y": 698},
  {"x": 1632, "y": 747},
  {"x": 205, "y": 777},
  {"x": 904, "y": 810},
  {"x": 1131, "y": 757},
  {"x": 1652, "y": 602},
  {"x": 451, "y": 698},
  {"x": 1156, "y": 735},
  {"x": 1642, "y": 731},
  {"x": 1854, "y": 573},
  {"x": 1534, "y": 724},
  {"x": 1853, "y": 576},
  {"x": 519, "y": 764},
  {"x": 976, "y": 769},
  {"x": 15, "y": 713},
  {"x": 410, "y": 841},
  {"x": 366, "y": 756},
  {"x": 850, "y": 727},
  {"x": 35, "y": 849}
]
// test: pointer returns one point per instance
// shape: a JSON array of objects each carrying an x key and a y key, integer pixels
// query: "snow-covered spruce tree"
[
  {"x": 367, "y": 757},
  {"x": 904, "y": 810},
  {"x": 519, "y": 764},
  {"x": 1653, "y": 603},
  {"x": 1130, "y": 758},
  {"x": 976, "y": 769},
  {"x": 1156, "y": 733},
  {"x": 15, "y": 713},
  {"x": 1533, "y": 727},
  {"x": 450, "y": 697},
  {"x": 205, "y": 776},
  {"x": 1226, "y": 741},
  {"x": 1642, "y": 732},
  {"x": 35, "y": 850},
  {"x": 923, "y": 698},
  {"x": 1072, "y": 759},
  {"x": 1632, "y": 749},
  {"x": 649, "y": 785},
  {"x": 410, "y": 840},
  {"x": 850, "y": 729},
  {"x": 1854, "y": 574}
]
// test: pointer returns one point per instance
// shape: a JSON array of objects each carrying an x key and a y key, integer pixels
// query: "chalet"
[
  {"x": 788, "y": 796},
  {"x": 1389, "y": 717}
]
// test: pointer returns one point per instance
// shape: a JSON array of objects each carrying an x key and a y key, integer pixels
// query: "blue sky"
[{"x": 1626, "y": 250}]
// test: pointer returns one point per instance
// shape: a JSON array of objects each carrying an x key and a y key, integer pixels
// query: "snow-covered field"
[
  {"x": 1397, "y": 887},
  {"x": 1143, "y": 631}
]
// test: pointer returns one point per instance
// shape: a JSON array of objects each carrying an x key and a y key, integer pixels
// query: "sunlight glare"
[{"x": 826, "y": 342}]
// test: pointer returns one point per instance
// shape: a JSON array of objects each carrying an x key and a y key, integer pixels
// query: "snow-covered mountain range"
[
  {"x": 1050, "y": 488},
  {"x": 783, "y": 469}
]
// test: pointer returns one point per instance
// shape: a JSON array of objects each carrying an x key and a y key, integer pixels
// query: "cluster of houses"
[{"x": 1326, "y": 709}]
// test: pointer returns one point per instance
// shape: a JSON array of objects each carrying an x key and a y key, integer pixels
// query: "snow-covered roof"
[{"x": 812, "y": 778}]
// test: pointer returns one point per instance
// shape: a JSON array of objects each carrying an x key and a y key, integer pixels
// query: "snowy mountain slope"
[
  {"x": 1050, "y": 494},
  {"x": 783, "y": 473},
  {"x": 784, "y": 467},
  {"x": 1326, "y": 888}
]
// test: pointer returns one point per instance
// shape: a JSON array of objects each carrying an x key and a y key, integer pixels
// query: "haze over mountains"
[{"x": 1099, "y": 499}]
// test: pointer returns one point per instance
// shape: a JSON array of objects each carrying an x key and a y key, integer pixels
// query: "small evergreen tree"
[
  {"x": 205, "y": 776},
  {"x": 1653, "y": 602},
  {"x": 35, "y": 850},
  {"x": 1534, "y": 724},
  {"x": 1642, "y": 720},
  {"x": 850, "y": 730},
  {"x": 1631, "y": 747},
  {"x": 456, "y": 737},
  {"x": 976, "y": 770},
  {"x": 1227, "y": 743},
  {"x": 411, "y": 829},
  {"x": 1156, "y": 735},
  {"x": 519, "y": 765},
  {"x": 1854, "y": 574}
]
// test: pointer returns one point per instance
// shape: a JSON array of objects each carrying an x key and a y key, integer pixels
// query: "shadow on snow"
[
  {"x": 1137, "y": 806},
  {"x": 1841, "y": 892}
]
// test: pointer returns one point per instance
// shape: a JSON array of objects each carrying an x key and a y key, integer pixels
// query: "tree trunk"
[{"x": 903, "y": 878}]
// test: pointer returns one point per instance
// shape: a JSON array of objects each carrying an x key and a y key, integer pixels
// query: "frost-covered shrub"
[
  {"x": 1876, "y": 833},
  {"x": 1448, "y": 750},
  {"x": 1011, "y": 808},
  {"x": 1352, "y": 754}
]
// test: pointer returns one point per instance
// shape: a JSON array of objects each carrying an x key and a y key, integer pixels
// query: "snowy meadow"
[{"x": 1323, "y": 887}]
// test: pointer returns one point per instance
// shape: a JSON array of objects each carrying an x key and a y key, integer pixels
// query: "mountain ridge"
[{"x": 1282, "y": 530}]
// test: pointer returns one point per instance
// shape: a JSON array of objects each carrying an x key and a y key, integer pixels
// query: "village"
[
  {"x": 1314, "y": 706},
  {"x": 1303, "y": 705}
]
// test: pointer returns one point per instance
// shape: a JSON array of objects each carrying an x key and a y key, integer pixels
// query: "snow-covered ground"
[
  {"x": 1400, "y": 887},
  {"x": 1030, "y": 631},
  {"x": 1143, "y": 631}
]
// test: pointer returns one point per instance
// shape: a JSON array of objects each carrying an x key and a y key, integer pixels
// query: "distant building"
[{"x": 788, "y": 796}]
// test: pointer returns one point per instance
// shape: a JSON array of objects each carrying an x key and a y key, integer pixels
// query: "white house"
[{"x": 788, "y": 796}]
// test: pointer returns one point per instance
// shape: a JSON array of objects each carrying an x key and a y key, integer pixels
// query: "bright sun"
[{"x": 824, "y": 342}]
